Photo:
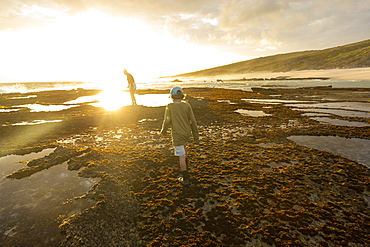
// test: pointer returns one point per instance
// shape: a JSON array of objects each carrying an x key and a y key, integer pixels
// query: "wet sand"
[{"x": 250, "y": 184}]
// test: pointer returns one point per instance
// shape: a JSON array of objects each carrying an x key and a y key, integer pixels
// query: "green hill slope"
[{"x": 356, "y": 55}]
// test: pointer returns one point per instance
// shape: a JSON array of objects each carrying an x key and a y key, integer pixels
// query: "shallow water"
[
  {"x": 11, "y": 163},
  {"x": 153, "y": 100},
  {"x": 226, "y": 101},
  {"x": 352, "y": 106},
  {"x": 34, "y": 122},
  {"x": 342, "y": 113},
  {"x": 352, "y": 148},
  {"x": 315, "y": 114},
  {"x": 274, "y": 101},
  {"x": 340, "y": 122},
  {"x": 252, "y": 113},
  {"x": 8, "y": 110},
  {"x": 30, "y": 206},
  {"x": 113, "y": 101},
  {"x": 46, "y": 108},
  {"x": 25, "y": 97}
]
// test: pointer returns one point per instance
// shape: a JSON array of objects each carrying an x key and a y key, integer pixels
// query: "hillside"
[{"x": 356, "y": 55}]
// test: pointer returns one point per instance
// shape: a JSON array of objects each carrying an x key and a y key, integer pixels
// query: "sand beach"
[
  {"x": 334, "y": 74},
  {"x": 255, "y": 179}
]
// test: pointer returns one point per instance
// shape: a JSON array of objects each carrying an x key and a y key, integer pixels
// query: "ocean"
[{"x": 25, "y": 87}]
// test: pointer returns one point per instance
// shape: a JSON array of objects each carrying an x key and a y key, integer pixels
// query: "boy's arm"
[
  {"x": 194, "y": 127},
  {"x": 166, "y": 121}
]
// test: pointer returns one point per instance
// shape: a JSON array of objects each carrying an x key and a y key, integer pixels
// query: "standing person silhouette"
[{"x": 131, "y": 86}]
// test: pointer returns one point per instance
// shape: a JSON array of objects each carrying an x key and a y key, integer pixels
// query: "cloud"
[
  {"x": 245, "y": 27},
  {"x": 251, "y": 27},
  {"x": 294, "y": 25}
]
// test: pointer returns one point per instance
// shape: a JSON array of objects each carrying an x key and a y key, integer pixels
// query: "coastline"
[
  {"x": 333, "y": 74},
  {"x": 251, "y": 185}
]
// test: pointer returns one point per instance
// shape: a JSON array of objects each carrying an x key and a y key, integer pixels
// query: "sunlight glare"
[
  {"x": 112, "y": 100},
  {"x": 154, "y": 100},
  {"x": 96, "y": 47}
]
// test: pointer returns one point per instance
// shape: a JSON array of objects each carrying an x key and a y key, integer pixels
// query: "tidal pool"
[
  {"x": 340, "y": 122},
  {"x": 153, "y": 100},
  {"x": 25, "y": 97},
  {"x": 252, "y": 113},
  {"x": 315, "y": 114},
  {"x": 46, "y": 108},
  {"x": 352, "y": 148},
  {"x": 110, "y": 100},
  {"x": 117, "y": 99},
  {"x": 8, "y": 110},
  {"x": 354, "y": 106},
  {"x": 30, "y": 206},
  {"x": 344, "y": 109},
  {"x": 225, "y": 101},
  {"x": 342, "y": 113},
  {"x": 34, "y": 122},
  {"x": 274, "y": 101}
]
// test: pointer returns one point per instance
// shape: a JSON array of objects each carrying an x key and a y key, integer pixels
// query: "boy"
[{"x": 180, "y": 117}]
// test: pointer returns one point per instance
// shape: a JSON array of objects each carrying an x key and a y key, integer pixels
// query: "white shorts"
[{"x": 179, "y": 150}]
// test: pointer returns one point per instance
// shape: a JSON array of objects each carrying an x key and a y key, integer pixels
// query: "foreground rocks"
[{"x": 250, "y": 186}]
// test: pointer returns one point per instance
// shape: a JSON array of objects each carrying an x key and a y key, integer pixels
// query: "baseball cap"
[{"x": 176, "y": 90}]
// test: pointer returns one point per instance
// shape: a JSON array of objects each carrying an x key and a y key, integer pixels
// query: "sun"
[
  {"x": 95, "y": 47},
  {"x": 112, "y": 100},
  {"x": 90, "y": 46}
]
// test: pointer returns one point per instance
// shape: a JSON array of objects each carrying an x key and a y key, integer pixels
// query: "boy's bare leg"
[
  {"x": 183, "y": 165},
  {"x": 184, "y": 171},
  {"x": 183, "y": 161}
]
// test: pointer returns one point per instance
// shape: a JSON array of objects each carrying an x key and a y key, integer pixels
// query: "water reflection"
[
  {"x": 11, "y": 163},
  {"x": 46, "y": 108},
  {"x": 110, "y": 100},
  {"x": 344, "y": 109},
  {"x": 352, "y": 148},
  {"x": 274, "y": 101},
  {"x": 30, "y": 206},
  {"x": 226, "y": 101},
  {"x": 315, "y": 114},
  {"x": 25, "y": 97},
  {"x": 34, "y": 122},
  {"x": 113, "y": 100},
  {"x": 354, "y": 106},
  {"x": 153, "y": 100},
  {"x": 83, "y": 99},
  {"x": 8, "y": 110},
  {"x": 342, "y": 113},
  {"x": 252, "y": 113},
  {"x": 332, "y": 121}
]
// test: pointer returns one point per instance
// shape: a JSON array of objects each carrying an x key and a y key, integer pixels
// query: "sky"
[{"x": 94, "y": 40}]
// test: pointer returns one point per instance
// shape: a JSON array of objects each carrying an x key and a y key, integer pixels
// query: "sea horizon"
[{"x": 160, "y": 83}]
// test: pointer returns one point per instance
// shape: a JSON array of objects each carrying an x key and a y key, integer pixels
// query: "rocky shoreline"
[{"x": 250, "y": 185}]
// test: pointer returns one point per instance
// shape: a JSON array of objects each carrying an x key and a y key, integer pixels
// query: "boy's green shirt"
[{"x": 180, "y": 117}]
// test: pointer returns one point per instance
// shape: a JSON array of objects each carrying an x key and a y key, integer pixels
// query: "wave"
[{"x": 26, "y": 87}]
